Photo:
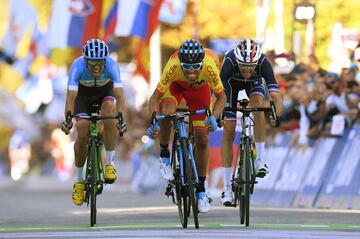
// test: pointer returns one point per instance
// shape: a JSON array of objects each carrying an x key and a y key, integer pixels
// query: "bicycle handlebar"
[
  {"x": 179, "y": 114},
  {"x": 244, "y": 109},
  {"x": 95, "y": 118}
]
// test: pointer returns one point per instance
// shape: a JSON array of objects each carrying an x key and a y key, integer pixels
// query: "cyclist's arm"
[
  {"x": 225, "y": 74},
  {"x": 278, "y": 100},
  {"x": 219, "y": 104},
  {"x": 154, "y": 101},
  {"x": 119, "y": 96},
  {"x": 70, "y": 101}
]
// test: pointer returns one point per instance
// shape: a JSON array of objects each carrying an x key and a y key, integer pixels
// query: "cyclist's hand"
[
  {"x": 122, "y": 128},
  {"x": 152, "y": 131},
  {"x": 274, "y": 123},
  {"x": 211, "y": 123},
  {"x": 65, "y": 127}
]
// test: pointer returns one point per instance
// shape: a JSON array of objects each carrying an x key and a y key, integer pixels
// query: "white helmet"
[{"x": 247, "y": 51}]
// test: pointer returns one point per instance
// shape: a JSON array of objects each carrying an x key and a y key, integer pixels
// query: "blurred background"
[{"x": 314, "y": 47}]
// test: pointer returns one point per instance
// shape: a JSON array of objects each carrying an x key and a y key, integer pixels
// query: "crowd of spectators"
[{"x": 312, "y": 97}]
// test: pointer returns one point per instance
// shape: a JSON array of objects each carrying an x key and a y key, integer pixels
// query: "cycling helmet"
[
  {"x": 191, "y": 51},
  {"x": 247, "y": 51},
  {"x": 95, "y": 49}
]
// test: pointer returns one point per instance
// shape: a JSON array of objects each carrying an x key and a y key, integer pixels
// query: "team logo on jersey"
[
  {"x": 199, "y": 82},
  {"x": 168, "y": 74},
  {"x": 212, "y": 75},
  {"x": 81, "y": 8}
]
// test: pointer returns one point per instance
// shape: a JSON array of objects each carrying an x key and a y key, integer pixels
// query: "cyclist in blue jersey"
[
  {"x": 245, "y": 68},
  {"x": 94, "y": 78}
]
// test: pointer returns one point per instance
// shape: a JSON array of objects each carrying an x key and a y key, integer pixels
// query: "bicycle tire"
[
  {"x": 190, "y": 179},
  {"x": 181, "y": 198},
  {"x": 247, "y": 181},
  {"x": 93, "y": 180}
]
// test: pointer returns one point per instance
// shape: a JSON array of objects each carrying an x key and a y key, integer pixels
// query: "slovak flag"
[
  {"x": 73, "y": 22},
  {"x": 133, "y": 18}
]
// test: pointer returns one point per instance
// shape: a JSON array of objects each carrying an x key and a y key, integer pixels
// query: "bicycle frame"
[
  {"x": 94, "y": 174},
  {"x": 244, "y": 176},
  {"x": 182, "y": 153}
]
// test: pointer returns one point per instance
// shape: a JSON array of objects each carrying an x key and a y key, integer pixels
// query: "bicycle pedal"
[{"x": 109, "y": 181}]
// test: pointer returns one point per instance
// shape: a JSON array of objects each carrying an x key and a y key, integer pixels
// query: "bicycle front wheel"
[
  {"x": 180, "y": 194},
  {"x": 92, "y": 158},
  {"x": 190, "y": 180},
  {"x": 245, "y": 173}
]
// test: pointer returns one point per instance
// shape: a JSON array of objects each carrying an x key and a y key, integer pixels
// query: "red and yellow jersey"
[{"x": 209, "y": 74}]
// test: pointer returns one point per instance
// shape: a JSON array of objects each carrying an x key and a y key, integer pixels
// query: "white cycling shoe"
[
  {"x": 166, "y": 171},
  {"x": 227, "y": 196},
  {"x": 203, "y": 204},
  {"x": 261, "y": 169}
]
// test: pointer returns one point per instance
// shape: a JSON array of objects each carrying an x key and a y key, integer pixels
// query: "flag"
[
  {"x": 137, "y": 17},
  {"x": 23, "y": 16},
  {"x": 110, "y": 22},
  {"x": 173, "y": 11},
  {"x": 73, "y": 22}
]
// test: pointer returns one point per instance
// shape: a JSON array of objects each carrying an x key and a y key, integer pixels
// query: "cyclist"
[
  {"x": 94, "y": 78},
  {"x": 244, "y": 68},
  {"x": 193, "y": 75}
]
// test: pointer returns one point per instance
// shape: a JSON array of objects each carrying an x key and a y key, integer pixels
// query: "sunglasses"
[
  {"x": 243, "y": 66},
  {"x": 93, "y": 63},
  {"x": 189, "y": 66}
]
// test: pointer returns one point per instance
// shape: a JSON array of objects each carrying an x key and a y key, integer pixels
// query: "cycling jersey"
[
  {"x": 91, "y": 90},
  {"x": 209, "y": 75},
  {"x": 174, "y": 86},
  {"x": 234, "y": 81},
  {"x": 80, "y": 75}
]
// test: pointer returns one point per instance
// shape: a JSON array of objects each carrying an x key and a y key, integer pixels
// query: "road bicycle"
[
  {"x": 244, "y": 175},
  {"x": 94, "y": 173},
  {"x": 182, "y": 188}
]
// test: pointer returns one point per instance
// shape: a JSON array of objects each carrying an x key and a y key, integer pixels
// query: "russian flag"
[
  {"x": 73, "y": 22},
  {"x": 137, "y": 17}
]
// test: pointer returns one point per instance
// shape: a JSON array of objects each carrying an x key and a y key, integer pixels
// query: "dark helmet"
[
  {"x": 95, "y": 49},
  {"x": 191, "y": 51},
  {"x": 247, "y": 51}
]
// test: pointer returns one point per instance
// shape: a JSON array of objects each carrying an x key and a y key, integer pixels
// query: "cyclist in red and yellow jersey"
[{"x": 193, "y": 75}]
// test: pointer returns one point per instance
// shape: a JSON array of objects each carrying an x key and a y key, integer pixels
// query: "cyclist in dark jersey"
[
  {"x": 94, "y": 78},
  {"x": 246, "y": 68}
]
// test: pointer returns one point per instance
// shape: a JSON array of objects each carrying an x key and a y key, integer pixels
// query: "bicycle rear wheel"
[
  {"x": 180, "y": 194},
  {"x": 191, "y": 181},
  {"x": 92, "y": 157}
]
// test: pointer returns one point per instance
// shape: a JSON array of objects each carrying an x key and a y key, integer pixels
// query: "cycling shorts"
[
  {"x": 88, "y": 96},
  {"x": 196, "y": 99},
  {"x": 253, "y": 87}
]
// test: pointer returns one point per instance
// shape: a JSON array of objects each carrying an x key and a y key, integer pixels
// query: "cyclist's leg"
[
  {"x": 257, "y": 100},
  {"x": 80, "y": 150},
  {"x": 196, "y": 99},
  {"x": 227, "y": 142},
  {"x": 168, "y": 104}
]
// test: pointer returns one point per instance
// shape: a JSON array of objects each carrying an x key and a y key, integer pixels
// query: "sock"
[
  {"x": 110, "y": 157},
  {"x": 201, "y": 186},
  {"x": 79, "y": 174},
  {"x": 200, "y": 195},
  {"x": 227, "y": 177},
  {"x": 260, "y": 150},
  {"x": 165, "y": 154}
]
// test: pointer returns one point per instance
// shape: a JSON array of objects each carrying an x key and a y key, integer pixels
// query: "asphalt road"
[{"x": 42, "y": 208}]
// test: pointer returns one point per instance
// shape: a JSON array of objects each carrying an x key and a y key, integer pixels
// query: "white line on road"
[{"x": 306, "y": 225}]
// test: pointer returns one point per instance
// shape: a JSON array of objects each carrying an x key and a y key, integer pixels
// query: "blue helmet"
[
  {"x": 95, "y": 49},
  {"x": 191, "y": 51}
]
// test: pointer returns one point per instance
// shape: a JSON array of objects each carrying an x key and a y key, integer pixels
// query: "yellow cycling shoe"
[
  {"x": 78, "y": 195},
  {"x": 110, "y": 173}
]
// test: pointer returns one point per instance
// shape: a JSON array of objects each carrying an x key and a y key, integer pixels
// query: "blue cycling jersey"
[{"x": 80, "y": 74}]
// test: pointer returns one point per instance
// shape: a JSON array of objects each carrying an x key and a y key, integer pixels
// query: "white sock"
[
  {"x": 260, "y": 150},
  {"x": 227, "y": 176},
  {"x": 79, "y": 174},
  {"x": 110, "y": 157}
]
